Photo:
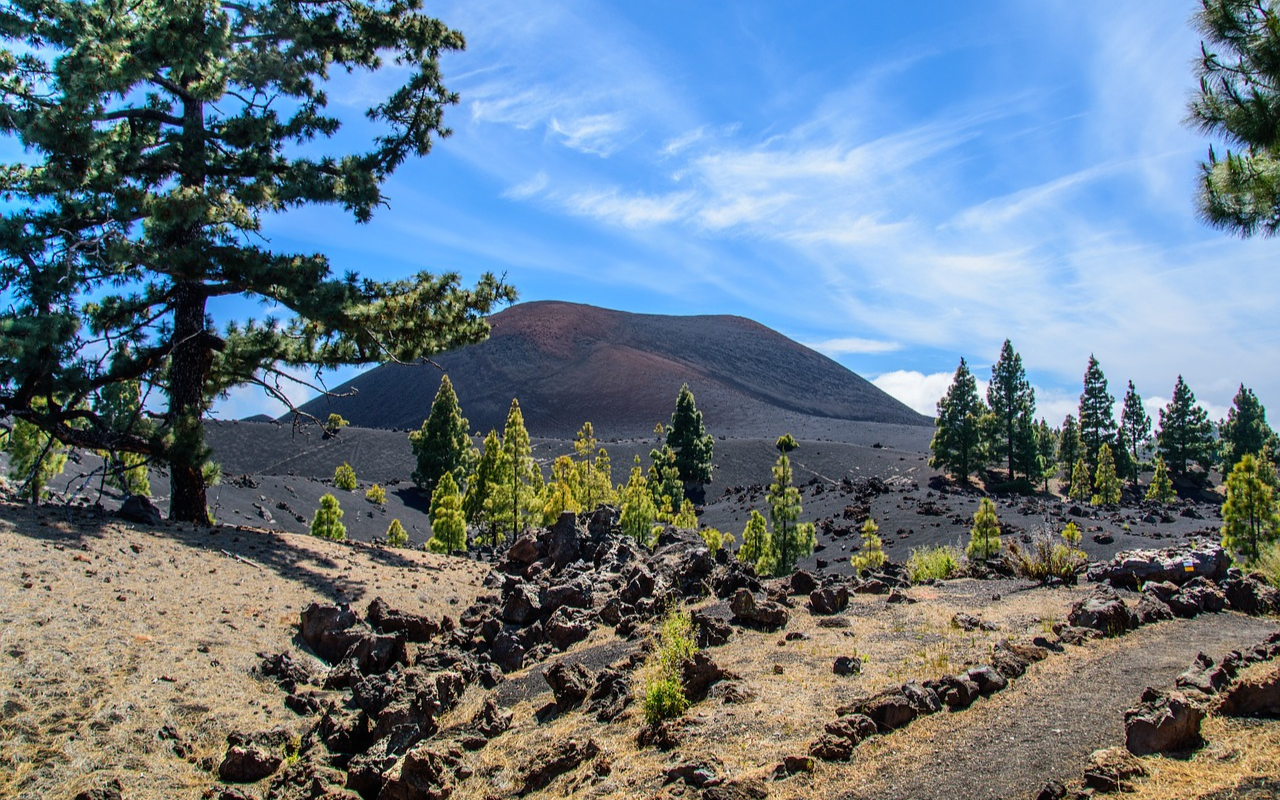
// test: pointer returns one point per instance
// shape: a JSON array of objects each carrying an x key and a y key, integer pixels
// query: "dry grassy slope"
[
  {"x": 570, "y": 363},
  {"x": 109, "y": 633}
]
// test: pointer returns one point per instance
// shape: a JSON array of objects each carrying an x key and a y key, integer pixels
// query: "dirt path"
[{"x": 1010, "y": 745}]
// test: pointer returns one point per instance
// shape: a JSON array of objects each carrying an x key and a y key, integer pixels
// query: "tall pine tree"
[
  {"x": 513, "y": 499},
  {"x": 1097, "y": 418},
  {"x": 1186, "y": 434},
  {"x": 1068, "y": 447},
  {"x": 1245, "y": 430},
  {"x": 1135, "y": 423},
  {"x": 448, "y": 521},
  {"x": 791, "y": 538},
  {"x": 689, "y": 440},
  {"x": 443, "y": 444},
  {"x": 1012, "y": 402},
  {"x": 155, "y": 139},
  {"x": 957, "y": 438},
  {"x": 1249, "y": 518}
]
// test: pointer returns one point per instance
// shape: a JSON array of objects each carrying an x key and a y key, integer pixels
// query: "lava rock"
[
  {"x": 1162, "y": 722},
  {"x": 1103, "y": 611},
  {"x": 569, "y": 684},
  {"x": 765, "y": 614},
  {"x": 828, "y": 601}
]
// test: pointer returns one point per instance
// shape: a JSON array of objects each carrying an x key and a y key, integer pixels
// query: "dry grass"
[{"x": 109, "y": 633}]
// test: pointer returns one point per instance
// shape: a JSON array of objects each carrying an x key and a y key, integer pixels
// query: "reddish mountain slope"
[{"x": 570, "y": 363}]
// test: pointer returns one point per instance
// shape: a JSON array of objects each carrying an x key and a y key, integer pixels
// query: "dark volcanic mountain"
[{"x": 570, "y": 363}]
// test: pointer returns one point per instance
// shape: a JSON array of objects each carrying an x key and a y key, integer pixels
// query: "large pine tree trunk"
[{"x": 188, "y": 371}]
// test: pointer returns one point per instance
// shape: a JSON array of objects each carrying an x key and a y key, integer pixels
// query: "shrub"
[
  {"x": 396, "y": 536},
  {"x": 984, "y": 537},
  {"x": 327, "y": 523},
  {"x": 664, "y": 698},
  {"x": 663, "y": 687},
  {"x": 716, "y": 539},
  {"x": 1268, "y": 564},
  {"x": 335, "y": 423},
  {"x": 344, "y": 477},
  {"x": 1044, "y": 559},
  {"x": 872, "y": 555},
  {"x": 1072, "y": 535},
  {"x": 933, "y": 563},
  {"x": 376, "y": 495}
]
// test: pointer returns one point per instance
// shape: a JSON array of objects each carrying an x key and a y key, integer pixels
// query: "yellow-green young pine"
[
  {"x": 448, "y": 522},
  {"x": 335, "y": 423},
  {"x": 686, "y": 518},
  {"x": 376, "y": 494},
  {"x": 1249, "y": 517},
  {"x": 594, "y": 486},
  {"x": 1161, "y": 488},
  {"x": 1072, "y": 535},
  {"x": 119, "y": 407},
  {"x": 872, "y": 554},
  {"x": 396, "y": 535},
  {"x": 1079, "y": 489},
  {"x": 984, "y": 537},
  {"x": 638, "y": 512},
  {"x": 716, "y": 539},
  {"x": 515, "y": 498},
  {"x": 443, "y": 443},
  {"x": 664, "y": 479},
  {"x": 791, "y": 540},
  {"x": 327, "y": 523},
  {"x": 559, "y": 495},
  {"x": 757, "y": 547},
  {"x": 150, "y": 143},
  {"x": 34, "y": 458},
  {"x": 344, "y": 477},
  {"x": 1106, "y": 484}
]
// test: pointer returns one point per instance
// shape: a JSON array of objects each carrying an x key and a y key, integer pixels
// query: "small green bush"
[
  {"x": 716, "y": 539},
  {"x": 1268, "y": 564},
  {"x": 327, "y": 523},
  {"x": 396, "y": 536},
  {"x": 335, "y": 423},
  {"x": 1046, "y": 558},
  {"x": 664, "y": 698},
  {"x": 376, "y": 495},
  {"x": 344, "y": 477},
  {"x": 933, "y": 563},
  {"x": 872, "y": 555}
]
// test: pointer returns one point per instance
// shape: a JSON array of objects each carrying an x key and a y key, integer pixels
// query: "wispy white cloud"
[
  {"x": 631, "y": 211},
  {"x": 853, "y": 345},
  {"x": 529, "y": 188},
  {"x": 597, "y": 134}
]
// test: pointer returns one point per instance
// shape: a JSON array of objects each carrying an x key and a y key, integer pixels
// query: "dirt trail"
[{"x": 1009, "y": 745}]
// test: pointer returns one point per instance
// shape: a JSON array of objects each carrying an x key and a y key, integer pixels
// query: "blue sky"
[{"x": 896, "y": 185}]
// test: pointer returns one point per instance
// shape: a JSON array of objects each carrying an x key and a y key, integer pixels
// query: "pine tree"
[
  {"x": 1237, "y": 103},
  {"x": 1186, "y": 434},
  {"x": 1080, "y": 482},
  {"x": 1161, "y": 488},
  {"x": 984, "y": 537},
  {"x": 757, "y": 547},
  {"x": 481, "y": 483},
  {"x": 513, "y": 501},
  {"x": 376, "y": 494},
  {"x": 156, "y": 137},
  {"x": 1250, "y": 519},
  {"x": 871, "y": 556},
  {"x": 333, "y": 424},
  {"x": 791, "y": 539},
  {"x": 638, "y": 513},
  {"x": 957, "y": 438},
  {"x": 1068, "y": 447},
  {"x": 561, "y": 491},
  {"x": 1072, "y": 535},
  {"x": 1097, "y": 420},
  {"x": 664, "y": 479},
  {"x": 1046, "y": 453},
  {"x": 34, "y": 458},
  {"x": 344, "y": 477},
  {"x": 448, "y": 522},
  {"x": 1135, "y": 424},
  {"x": 396, "y": 536},
  {"x": 119, "y": 407},
  {"x": 1245, "y": 430},
  {"x": 689, "y": 440},
  {"x": 443, "y": 443},
  {"x": 594, "y": 485},
  {"x": 1012, "y": 402},
  {"x": 1106, "y": 483},
  {"x": 327, "y": 523}
]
